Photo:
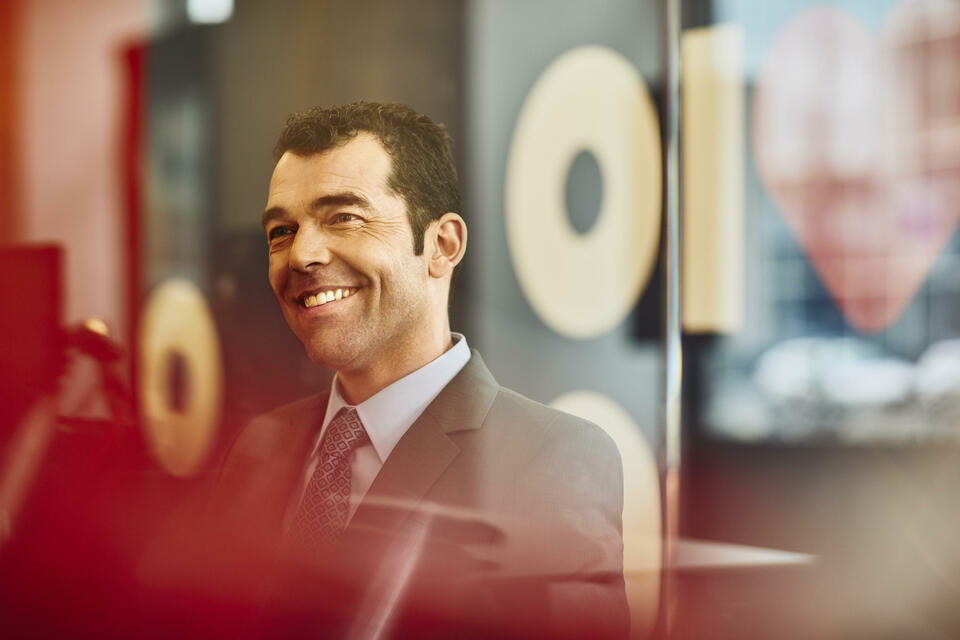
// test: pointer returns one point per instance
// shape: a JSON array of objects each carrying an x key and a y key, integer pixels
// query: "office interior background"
[{"x": 819, "y": 288}]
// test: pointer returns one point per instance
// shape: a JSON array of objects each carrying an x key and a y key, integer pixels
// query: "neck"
[{"x": 357, "y": 385}]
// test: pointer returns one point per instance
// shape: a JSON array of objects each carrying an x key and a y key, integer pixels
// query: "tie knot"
[{"x": 345, "y": 433}]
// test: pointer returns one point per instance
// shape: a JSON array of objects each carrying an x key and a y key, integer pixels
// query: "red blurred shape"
[
  {"x": 9, "y": 50},
  {"x": 31, "y": 341}
]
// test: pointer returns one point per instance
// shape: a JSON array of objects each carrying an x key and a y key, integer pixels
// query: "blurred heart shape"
[{"x": 857, "y": 140}]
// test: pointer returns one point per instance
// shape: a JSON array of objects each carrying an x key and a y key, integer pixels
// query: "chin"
[{"x": 331, "y": 356}]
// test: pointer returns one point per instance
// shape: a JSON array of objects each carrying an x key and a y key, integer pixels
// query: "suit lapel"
[
  {"x": 265, "y": 467},
  {"x": 294, "y": 447},
  {"x": 415, "y": 464},
  {"x": 425, "y": 450}
]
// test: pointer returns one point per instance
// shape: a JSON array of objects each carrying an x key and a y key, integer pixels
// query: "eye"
[
  {"x": 279, "y": 231},
  {"x": 344, "y": 218}
]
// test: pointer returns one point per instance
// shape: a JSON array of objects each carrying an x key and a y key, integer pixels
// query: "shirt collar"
[{"x": 388, "y": 414}]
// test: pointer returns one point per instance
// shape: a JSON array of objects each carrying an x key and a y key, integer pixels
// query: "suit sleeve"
[{"x": 584, "y": 472}]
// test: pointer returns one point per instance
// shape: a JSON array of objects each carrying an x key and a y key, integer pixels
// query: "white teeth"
[{"x": 327, "y": 296}]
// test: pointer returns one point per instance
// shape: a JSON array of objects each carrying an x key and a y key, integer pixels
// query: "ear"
[{"x": 446, "y": 243}]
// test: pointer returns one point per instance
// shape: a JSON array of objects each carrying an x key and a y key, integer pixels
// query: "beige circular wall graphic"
[
  {"x": 177, "y": 327},
  {"x": 589, "y": 99}
]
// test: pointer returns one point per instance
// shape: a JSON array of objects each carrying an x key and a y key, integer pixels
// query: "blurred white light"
[
  {"x": 873, "y": 382},
  {"x": 209, "y": 11},
  {"x": 938, "y": 370}
]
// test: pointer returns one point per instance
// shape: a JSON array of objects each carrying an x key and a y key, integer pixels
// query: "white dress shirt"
[{"x": 387, "y": 415}]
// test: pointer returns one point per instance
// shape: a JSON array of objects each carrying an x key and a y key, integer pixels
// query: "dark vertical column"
[{"x": 131, "y": 171}]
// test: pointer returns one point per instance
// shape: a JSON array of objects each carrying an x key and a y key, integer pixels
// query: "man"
[{"x": 416, "y": 493}]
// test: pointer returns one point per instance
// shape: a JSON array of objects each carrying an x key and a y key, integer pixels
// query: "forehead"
[{"x": 361, "y": 165}]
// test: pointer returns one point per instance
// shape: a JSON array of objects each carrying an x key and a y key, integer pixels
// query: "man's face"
[{"x": 337, "y": 232}]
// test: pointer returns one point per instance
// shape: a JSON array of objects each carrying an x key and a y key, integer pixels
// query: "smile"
[{"x": 323, "y": 297}]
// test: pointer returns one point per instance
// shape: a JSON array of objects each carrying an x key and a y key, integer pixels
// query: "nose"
[{"x": 309, "y": 250}]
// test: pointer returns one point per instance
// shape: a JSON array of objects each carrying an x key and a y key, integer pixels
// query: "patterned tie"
[{"x": 322, "y": 515}]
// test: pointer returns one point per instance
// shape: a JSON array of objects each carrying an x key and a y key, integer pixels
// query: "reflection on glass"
[{"x": 855, "y": 132}]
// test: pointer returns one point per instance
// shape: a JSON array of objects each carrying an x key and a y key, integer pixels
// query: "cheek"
[
  {"x": 276, "y": 275},
  {"x": 274, "y": 285},
  {"x": 277, "y": 285},
  {"x": 408, "y": 286}
]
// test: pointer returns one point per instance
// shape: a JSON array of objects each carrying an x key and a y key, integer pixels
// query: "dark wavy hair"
[{"x": 422, "y": 169}]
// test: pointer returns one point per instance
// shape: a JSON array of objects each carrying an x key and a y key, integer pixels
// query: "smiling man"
[
  {"x": 415, "y": 491},
  {"x": 355, "y": 285}
]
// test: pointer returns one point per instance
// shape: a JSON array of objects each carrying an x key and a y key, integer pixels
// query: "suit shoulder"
[
  {"x": 547, "y": 423},
  {"x": 265, "y": 429},
  {"x": 295, "y": 409}
]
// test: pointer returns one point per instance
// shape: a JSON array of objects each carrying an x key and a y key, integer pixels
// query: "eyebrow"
[{"x": 345, "y": 199}]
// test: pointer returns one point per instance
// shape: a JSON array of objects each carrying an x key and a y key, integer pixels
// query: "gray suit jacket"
[{"x": 511, "y": 509}]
